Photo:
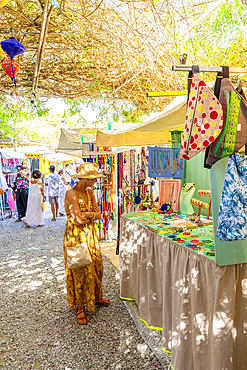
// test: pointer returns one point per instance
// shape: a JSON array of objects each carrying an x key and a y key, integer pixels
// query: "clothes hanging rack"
[{"x": 188, "y": 68}]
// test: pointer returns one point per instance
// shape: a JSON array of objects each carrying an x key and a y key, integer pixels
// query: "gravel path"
[{"x": 38, "y": 330}]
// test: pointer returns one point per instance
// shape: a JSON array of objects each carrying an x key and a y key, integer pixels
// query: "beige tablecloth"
[{"x": 201, "y": 307}]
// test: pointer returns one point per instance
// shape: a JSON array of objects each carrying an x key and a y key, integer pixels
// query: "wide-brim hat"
[{"x": 88, "y": 171}]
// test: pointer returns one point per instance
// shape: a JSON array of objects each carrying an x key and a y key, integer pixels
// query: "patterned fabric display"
[
  {"x": 234, "y": 132},
  {"x": 232, "y": 218},
  {"x": 204, "y": 119},
  {"x": 232, "y": 127}
]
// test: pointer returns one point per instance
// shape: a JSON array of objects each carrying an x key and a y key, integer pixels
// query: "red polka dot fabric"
[{"x": 204, "y": 119}]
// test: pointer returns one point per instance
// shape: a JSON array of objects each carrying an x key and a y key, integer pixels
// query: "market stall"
[
  {"x": 185, "y": 281},
  {"x": 178, "y": 287},
  {"x": 10, "y": 159}
]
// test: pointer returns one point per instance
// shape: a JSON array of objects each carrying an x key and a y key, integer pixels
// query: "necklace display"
[{"x": 165, "y": 162}]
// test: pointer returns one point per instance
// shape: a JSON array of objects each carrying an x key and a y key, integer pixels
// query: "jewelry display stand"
[
  {"x": 202, "y": 205},
  {"x": 187, "y": 193},
  {"x": 170, "y": 193}
]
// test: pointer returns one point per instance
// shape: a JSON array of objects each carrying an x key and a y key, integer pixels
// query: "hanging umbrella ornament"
[
  {"x": 13, "y": 48},
  {"x": 11, "y": 67}
]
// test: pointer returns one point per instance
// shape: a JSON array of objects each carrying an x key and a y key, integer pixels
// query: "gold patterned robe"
[{"x": 84, "y": 285}]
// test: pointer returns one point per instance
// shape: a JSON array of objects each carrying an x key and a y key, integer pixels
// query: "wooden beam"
[{"x": 43, "y": 34}]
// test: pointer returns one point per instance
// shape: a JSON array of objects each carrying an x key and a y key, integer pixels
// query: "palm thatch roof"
[{"x": 113, "y": 49}]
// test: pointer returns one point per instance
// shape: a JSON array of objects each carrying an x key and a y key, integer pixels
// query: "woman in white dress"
[
  {"x": 35, "y": 214},
  {"x": 62, "y": 191}
]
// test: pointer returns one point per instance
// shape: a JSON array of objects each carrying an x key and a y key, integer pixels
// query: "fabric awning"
[
  {"x": 153, "y": 132},
  {"x": 70, "y": 141},
  {"x": 9, "y": 153}
]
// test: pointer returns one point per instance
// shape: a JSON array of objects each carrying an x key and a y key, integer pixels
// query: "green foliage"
[
  {"x": 13, "y": 115},
  {"x": 108, "y": 111},
  {"x": 219, "y": 39}
]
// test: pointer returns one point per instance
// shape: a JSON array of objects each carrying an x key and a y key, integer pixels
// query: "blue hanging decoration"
[
  {"x": 82, "y": 139},
  {"x": 12, "y": 47},
  {"x": 109, "y": 125}
]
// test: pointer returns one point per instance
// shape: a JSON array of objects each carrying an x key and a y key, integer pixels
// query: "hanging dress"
[
  {"x": 34, "y": 214},
  {"x": 84, "y": 285},
  {"x": 62, "y": 191}
]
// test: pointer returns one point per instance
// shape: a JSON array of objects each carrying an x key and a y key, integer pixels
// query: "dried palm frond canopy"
[{"x": 113, "y": 49}]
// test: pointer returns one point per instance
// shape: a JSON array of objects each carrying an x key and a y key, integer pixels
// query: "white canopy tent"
[
  {"x": 9, "y": 153},
  {"x": 70, "y": 141},
  {"x": 152, "y": 132}
]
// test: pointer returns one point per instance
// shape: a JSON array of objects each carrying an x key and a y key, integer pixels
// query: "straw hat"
[{"x": 87, "y": 171}]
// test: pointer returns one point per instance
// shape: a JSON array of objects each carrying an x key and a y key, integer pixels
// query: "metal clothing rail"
[{"x": 184, "y": 67}]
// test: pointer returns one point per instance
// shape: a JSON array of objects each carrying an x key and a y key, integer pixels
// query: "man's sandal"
[
  {"x": 81, "y": 317},
  {"x": 104, "y": 302}
]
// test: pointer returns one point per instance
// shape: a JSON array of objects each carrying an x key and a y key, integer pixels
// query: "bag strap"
[
  {"x": 194, "y": 70},
  {"x": 223, "y": 74}
]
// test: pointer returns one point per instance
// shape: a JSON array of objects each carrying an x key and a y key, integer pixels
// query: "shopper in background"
[
  {"x": 20, "y": 187},
  {"x": 52, "y": 181},
  {"x": 62, "y": 190},
  {"x": 35, "y": 214}
]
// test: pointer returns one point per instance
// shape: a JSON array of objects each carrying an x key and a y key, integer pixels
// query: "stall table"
[{"x": 200, "y": 307}]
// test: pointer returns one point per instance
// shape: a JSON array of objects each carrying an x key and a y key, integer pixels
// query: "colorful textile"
[
  {"x": 46, "y": 165},
  {"x": 231, "y": 124},
  {"x": 21, "y": 182},
  {"x": 84, "y": 285},
  {"x": 204, "y": 118},
  {"x": 232, "y": 218},
  {"x": 41, "y": 165},
  {"x": 32, "y": 155},
  {"x": 201, "y": 239},
  {"x": 234, "y": 133}
]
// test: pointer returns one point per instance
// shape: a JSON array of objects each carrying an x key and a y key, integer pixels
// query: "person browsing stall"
[
  {"x": 35, "y": 214},
  {"x": 84, "y": 284},
  {"x": 20, "y": 187},
  {"x": 52, "y": 181}
]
